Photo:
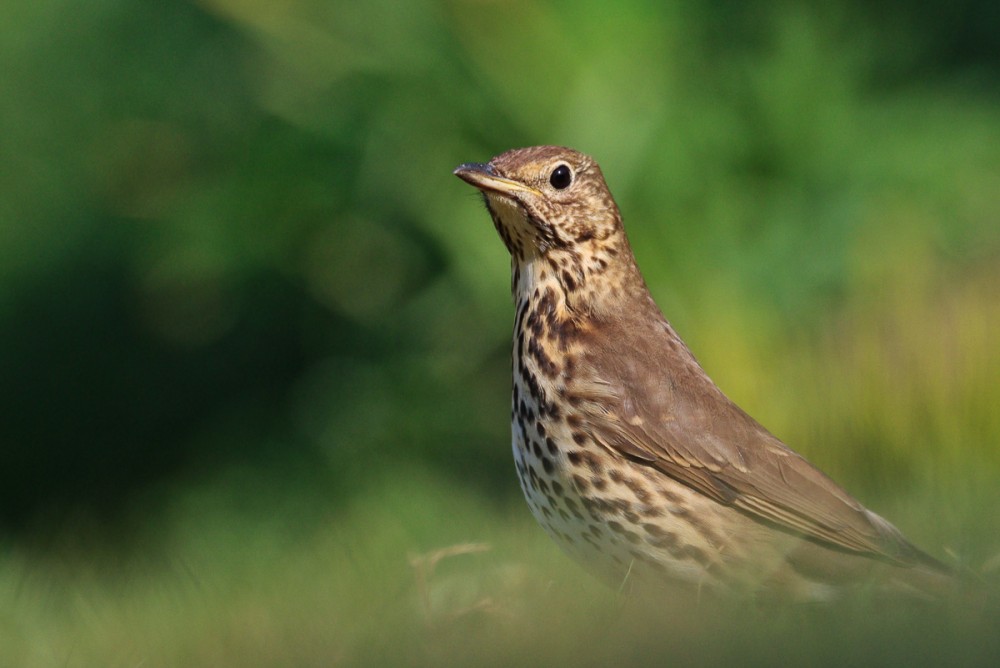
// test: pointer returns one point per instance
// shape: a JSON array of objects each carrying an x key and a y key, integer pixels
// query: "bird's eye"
[{"x": 561, "y": 177}]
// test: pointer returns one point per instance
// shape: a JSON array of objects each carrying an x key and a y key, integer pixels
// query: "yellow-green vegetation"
[
  {"x": 254, "y": 335},
  {"x": 394, "y": 579}
]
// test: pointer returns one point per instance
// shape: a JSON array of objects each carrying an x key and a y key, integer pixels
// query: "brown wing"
[{"x": 647, "y": 398}]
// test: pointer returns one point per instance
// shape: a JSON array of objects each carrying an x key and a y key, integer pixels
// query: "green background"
[{"x": 254, "y": 336}]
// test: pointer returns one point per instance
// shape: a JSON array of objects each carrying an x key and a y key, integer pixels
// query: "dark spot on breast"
[
  {"x": 707, "y": 533},
  {"x": 636, "y": 488},
  {"x": 624, "y": 508},
  {"x": 536, "y": 449},
  {"x": 546, "y": 306},
  {"x": 545, "y": 364},
  {"x": 696, "y": 553},
  {"x": 557, "y": 489},
  {"x": 668, "y": 495},
  {"x": 534, "y": 390},
  {"x": 660, "y": 538},
  {"x": 520, "y": 476},
  {"x": 551, "y": 446},
  {"x": 540, "y": 428},
  {"x": 543, "y": 409},
  {"x": 579, "y": 438},
  {"x": 655, "y": 530},
  {"x": 627, "y": 534},
  {"x": 522, "y": 306},
  {"x": 650, "y": 511},
  {"x": 573, "y": 508},
  {"x": 615, "y": 475},
  {"x": 592, "y": 463},
  {"x": 575, "y": 457},
  {"x": 633, "y": 484},
  {"x": 569, "y": 364},
  {"x": 534, "y": 324},
  {"x": 547, "y": 465},
  {"x": 581, "y": 483},
  {"x": 599, "y": 506},
  {"x": 565, "y": 332}
]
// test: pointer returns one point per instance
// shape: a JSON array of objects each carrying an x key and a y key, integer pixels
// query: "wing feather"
[{"x": 663, "y": 410}]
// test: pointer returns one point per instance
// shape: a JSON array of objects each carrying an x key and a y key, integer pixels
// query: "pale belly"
[{"x": 617, "y": 525}]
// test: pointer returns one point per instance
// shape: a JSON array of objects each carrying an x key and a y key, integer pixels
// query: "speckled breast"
[{"x": 617, "y": 522}]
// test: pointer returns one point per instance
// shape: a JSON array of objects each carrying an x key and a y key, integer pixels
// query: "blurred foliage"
[{"x": 239, "y": 286}]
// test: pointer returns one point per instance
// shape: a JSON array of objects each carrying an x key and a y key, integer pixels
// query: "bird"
[{"x": 629, "y": 456}]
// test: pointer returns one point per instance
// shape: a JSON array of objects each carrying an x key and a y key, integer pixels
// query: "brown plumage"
[{"x": 627, "y": 452}]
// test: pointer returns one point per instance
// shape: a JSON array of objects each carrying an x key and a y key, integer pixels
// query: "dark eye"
[{"x": 561, "y": 177}]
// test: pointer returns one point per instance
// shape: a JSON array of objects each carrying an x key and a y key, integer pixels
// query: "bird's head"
[{"x": 546, "y": 199}]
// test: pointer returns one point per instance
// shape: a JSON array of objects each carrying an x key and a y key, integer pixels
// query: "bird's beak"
[{"x": 484, "y": 177}]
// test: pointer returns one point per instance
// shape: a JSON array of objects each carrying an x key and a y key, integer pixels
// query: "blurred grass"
[
  {"x": 254, "y": 335},
  {"x": 236, "y": 588}
]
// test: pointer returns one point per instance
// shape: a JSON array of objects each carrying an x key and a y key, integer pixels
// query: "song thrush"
[{"x": 629, "y": 456}]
